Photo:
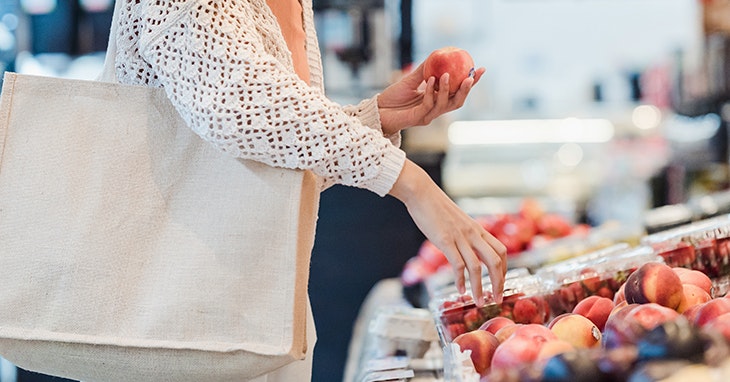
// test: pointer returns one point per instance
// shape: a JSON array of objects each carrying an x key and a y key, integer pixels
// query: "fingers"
[
  {"x": 458, "y": 266},
  {"x": 478, "y": 74},
  {"x": 474, "y": 269},
  {"x": 469, "y": 253},
  {"x": 442, "y": 95},
  {"x": 494, "y": 255},
  {"x": 416, "y": 75}
]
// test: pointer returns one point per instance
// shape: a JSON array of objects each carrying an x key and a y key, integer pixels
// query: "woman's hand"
[
  {"x": 413, "y": 102},
  {"x": 465, "y": 242}
]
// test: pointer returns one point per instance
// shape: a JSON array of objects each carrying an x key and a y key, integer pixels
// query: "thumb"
[{"x": 415, "y": 77}]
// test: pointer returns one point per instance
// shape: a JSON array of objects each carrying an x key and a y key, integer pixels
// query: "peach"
[
  {"x": 619, "y": 331},
  {"x": 506, "y": 331},
  {"x": 719, "y": 324},
  {"x": 693, "y": 295},
  {"x": 577, "y": 330},
  {"x": 619, "y": 296},
  {"x": 595, "y": 308},
  {"x": 535, "y": 330},
  {"x": 553, "y": 225},
  {"x": 531, "y": 209},
  {"x": 516, "y": 351},
  {"x": 493, "y": 324},
  {"x": 711, "y": 309},
  {"x": 694, "y": 277},
  {"x": 617, "y": 307},
  {"x": 651, "y": 315},
  {"x": 654, "y": 283},
  {"x": 431, "y": 256},
  {"x": 457, "y": 62},
  {"x": 482, "y": 345},
  {"x": 691, "y": 313},
  {"x": 554, "y": 347}
]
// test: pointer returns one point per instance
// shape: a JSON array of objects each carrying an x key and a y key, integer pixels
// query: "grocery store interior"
[{"x": 610, "y": 116}]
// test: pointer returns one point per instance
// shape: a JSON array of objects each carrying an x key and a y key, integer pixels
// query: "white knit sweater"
[{"x": 228, "y": 71}]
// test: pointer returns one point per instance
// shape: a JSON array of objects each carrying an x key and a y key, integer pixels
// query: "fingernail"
[
  {"x": 498, "y": 297},
  {"x": 480, "y": 301}
]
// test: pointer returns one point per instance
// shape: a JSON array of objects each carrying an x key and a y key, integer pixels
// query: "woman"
[{"x": 246, "y": 75}]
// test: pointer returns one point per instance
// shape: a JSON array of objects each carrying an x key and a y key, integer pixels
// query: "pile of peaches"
[{"x": 662, "y": 321}]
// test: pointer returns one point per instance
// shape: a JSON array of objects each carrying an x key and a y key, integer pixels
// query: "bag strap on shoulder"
[{"x": 108, "y": 73}]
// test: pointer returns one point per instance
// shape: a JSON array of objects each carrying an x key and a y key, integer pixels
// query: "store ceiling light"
[{"x": 499, "y": 132}]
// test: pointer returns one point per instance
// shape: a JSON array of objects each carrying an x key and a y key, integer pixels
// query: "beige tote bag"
[{"x": 132, "y": 250}]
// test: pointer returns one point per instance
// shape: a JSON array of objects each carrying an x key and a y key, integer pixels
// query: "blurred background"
[{"x": 605, "y": 110}]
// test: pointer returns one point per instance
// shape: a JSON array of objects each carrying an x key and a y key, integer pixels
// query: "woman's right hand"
[{"x": 466, "y": 244}]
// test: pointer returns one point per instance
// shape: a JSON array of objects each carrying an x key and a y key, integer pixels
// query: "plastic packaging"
[
  {"x": 703, "y": 245},
  {"x": 599, "y": 273},
  {"x": 524, "y": 302}
]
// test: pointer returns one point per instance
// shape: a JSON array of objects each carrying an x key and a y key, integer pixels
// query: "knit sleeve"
[
  {"x": 367, "y": 112},
  {"x": 235, "y": 91}
]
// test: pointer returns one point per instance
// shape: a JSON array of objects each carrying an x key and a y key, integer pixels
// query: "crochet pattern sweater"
[{"x": 227, "y": 69}]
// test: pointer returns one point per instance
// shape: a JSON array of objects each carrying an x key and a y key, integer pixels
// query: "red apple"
[{"x": 455, "y": 61}]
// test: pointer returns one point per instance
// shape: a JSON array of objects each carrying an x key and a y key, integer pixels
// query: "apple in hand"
[{"x": 455, "y": 61}]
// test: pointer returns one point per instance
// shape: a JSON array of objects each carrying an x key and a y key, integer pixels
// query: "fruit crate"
[
  {"x": 703, "y": 246},
  {"x": 598, "y": 273},
  {"x": 524, "y": 302}
]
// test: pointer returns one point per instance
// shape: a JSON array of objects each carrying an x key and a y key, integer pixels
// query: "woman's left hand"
[{"x": 411, "y": 102}]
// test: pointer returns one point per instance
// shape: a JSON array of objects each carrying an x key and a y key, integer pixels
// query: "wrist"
[{"x": 411, "y": 181}]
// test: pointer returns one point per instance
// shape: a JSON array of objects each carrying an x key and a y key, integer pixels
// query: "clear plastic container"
[
  {"x": 599, "y": 273},
  {"x": 703, "y": 245},
  {"x": 575, "y": 245},
  {"x": 441, "y": 283},
  {"x": 524, "y": 302}
]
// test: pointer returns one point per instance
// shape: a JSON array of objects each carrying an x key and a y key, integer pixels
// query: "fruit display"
[
  {"x": 599, "y": 273},
  {"x": 524, "y": 302},
  {"x": 579, "y": 242},
  {"x": 661, "y": 329},
  {"x": 703, "y": 246},
  {"x": 530, "y": 227},
  {"x": 578, "y": 308}
]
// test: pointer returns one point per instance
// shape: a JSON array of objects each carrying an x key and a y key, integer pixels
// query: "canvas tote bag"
[{"x": 132, "y": 250}]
